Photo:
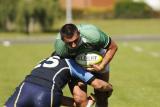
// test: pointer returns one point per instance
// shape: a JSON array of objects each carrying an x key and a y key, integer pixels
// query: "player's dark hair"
[
  {"x": 68, "y": 30},
  {"x": 53, "y": 53}
]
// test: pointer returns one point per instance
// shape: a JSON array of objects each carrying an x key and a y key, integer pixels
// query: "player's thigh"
[
  {"x": 80, "y": 86},
  {"x": 47, "y": 98},
  {"x": 42, "y": 98},
  {"x": 20, "y": 98},
  {"x": 78, "y": 90},
  {"x": 56, "y": 97},
  {"x": 10, "y": 102},
  {"x": 80, "y": 94},
  {"x": 28, "y": 95}
]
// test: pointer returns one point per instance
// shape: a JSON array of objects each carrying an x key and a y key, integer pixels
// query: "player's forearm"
[{"x": 109, "y": 54}]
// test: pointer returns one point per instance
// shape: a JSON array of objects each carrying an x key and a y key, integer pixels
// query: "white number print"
[
  {"x": 49, "y": 63},
  {"x": 54, "y": 63}
]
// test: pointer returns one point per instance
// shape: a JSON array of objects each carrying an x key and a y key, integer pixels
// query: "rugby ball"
[{"x": 88, "y": 59}]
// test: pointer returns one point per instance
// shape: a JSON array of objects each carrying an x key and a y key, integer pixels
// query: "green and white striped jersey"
[{"x": 93, "y": 39}]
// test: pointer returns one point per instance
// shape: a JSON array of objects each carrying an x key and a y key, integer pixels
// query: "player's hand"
[
  {"x": 96, "y": 68},
  {"x": 90, "y": 69}
]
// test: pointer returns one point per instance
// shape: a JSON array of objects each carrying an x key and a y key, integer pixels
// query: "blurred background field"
[
  {"x": 28, "y": 29},
  {"x": 114, "y": 27},
  {"x": 29, "y": 16}
]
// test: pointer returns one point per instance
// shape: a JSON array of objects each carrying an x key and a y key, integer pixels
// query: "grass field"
[{"x": 134, "y": 71}]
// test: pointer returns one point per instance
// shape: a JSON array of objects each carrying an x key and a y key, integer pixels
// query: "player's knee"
[
  {"x": 79, "y": 97},
  {"x": 98, "y": 87},
  {"x": 96, "y": 84},
  {"x": 101, "y": 85}
]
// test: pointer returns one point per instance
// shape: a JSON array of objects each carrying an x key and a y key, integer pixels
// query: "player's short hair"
[{"x": 68, "y": 30}]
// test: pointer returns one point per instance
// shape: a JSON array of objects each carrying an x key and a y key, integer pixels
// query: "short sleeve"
[
  {"x": 95, "y": 36},
  {"x": 60, "y": 47},
  {"x": 104, "y": 40}
]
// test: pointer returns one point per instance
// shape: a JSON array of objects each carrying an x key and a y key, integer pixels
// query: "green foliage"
[
  {"x": 132, "y": 10},
  {"x": 7, "y": 12},
  {"x": 41, "y": 11},
  {"x": 113, "y": 27},
  {"x": 24, "y": 13},
  {"x": 92, "y": 12},
  {"x": 121, "y": 27},
  {"x": 78, "y": 13}
]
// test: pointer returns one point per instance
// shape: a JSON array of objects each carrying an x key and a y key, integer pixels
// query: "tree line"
[
  {"x": 22, "y": 15},
  {"x": 40, "y": 15}
]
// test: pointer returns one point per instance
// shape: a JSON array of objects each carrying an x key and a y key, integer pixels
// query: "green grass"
[
  {"x": 134, "y": 75},
  {"x": 18, "y": 35},
  {"x": 16, "y": 62}
]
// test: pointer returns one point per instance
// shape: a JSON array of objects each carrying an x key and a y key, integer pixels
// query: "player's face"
[{"x": 73, "y": 41}]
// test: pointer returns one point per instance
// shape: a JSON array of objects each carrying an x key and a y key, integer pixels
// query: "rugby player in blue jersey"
[{"x": 43, "y": 86}]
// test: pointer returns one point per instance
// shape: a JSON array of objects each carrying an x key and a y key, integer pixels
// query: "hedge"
[{"x": 132, "y": 10}]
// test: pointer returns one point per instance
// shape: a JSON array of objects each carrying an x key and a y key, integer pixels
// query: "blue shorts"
[{"x": 32, "y": 95}]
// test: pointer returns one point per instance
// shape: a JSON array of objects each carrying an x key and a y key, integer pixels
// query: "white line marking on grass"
[
  {"x": 125, "y": 44},
  {"x": 140, "y": 50},
  {"x": 6, "y": 43},
  {"x": 137, "y": 49},
  {"x": 154, "y": 54}
]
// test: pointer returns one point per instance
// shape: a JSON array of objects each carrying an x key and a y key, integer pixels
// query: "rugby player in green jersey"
[{"x": 75, "y": 39}]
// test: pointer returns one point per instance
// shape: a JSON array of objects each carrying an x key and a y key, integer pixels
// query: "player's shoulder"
[
  {"x": 89, "y": 32},
  {"x": 60, "y": 46},
  {"x": 86, "y": 26}
]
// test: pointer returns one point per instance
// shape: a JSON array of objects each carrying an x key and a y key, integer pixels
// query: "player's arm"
[
  {"x": 69, "y": 102},
  {"x": 87, "y": 77},
  {"x": 110, "y": 53},
  {"x": 107, "y": 57},
  {"x": 103, "y": 41}
]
